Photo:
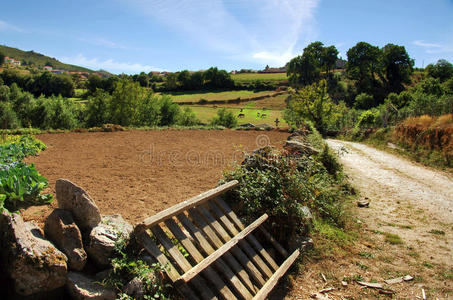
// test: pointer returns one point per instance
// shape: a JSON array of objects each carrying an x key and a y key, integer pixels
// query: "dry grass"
[{"x": 426, "y": 121}]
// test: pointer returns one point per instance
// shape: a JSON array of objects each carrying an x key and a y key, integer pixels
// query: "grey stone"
[
  {"x": 103, "y": 237},
  {"x": 73, "y": 198},
  {"x": 299, "y": 147},
  {"x": 33, "y": 263},
  {"x": 61, "y": 229},
  {"x": 135, "y": 288},
  {"x": 82, "y": 287}
]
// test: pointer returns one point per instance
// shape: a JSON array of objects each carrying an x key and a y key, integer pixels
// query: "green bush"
[
  {"x": 284, "y": 187},
  {"x": 368, "y": 119},
  {"x": 364, "y": 101},
  {"x": 225, "y": 118},
  {"x": 187, "y": 117},
  {"x": 8, "y": 117}
]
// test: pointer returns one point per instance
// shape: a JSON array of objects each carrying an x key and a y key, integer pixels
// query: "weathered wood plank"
[
  {"x": 244, "y": 243},
  {"x": 172, "y": 273},
  {"x": 209, "y": 273},
  {"x": 232, "y": 260},
  {"x": 222, "y": 250},
  {"x": 222, "y": 204},
  {"x": 180, "y": 207},
  {"x": 199, "y": 235},
  {"x": 270, "y": 284},
  {"x": 243, "y": 259},
  {"x": 198, "y": 282}
]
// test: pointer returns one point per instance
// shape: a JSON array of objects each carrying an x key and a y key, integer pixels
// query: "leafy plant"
[{"x": 20, "y": 184}]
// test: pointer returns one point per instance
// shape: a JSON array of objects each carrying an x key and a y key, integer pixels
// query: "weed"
[
  {"x": 393, "y": 239},
  {"x": 428, "y": 264},
  {"x": 357, "y": 277},
  {"x": 436, "y": 231},
  {"x": 413, "y": 254},
  {"x": 366, "y": 254},
  {"x": 361, "y": 266}
]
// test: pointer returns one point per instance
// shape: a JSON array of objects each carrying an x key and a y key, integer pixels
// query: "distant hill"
[{"x": 39, "y": 60}]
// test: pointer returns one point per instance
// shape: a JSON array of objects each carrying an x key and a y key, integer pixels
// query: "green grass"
[
  {"x": 436, "y": 231},
  {"x": 206, "y": 113},
  {"x": 218, "y": 95},
  {"x": 244, "y": 77}
]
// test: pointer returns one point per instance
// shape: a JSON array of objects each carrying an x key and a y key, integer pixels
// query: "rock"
[
  {"x": 33, "y": 263},
  {"x": 394, "y": 280},
  {"x": 100, "y": 276},
  {"x": 81, "y": 287},
  {"x": 264, "y": 126},
  {"x": 299, "y": 147},
  {"x": 344, "y": 283},
  {"x": 408, "y": 278},
  {"x": 103, "y": 237},
  {"x": 63, "y": 232},
  {"x": 247, "y": 125},
  {"x": 135, "y": 288},
  {"x": 363, "y": 203},
  {"x": 73, "y": 198}
]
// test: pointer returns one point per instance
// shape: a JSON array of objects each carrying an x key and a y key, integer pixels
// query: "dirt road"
[{"x": 406, "y": 230}]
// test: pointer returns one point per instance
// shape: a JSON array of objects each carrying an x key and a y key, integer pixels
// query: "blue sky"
[{"x": 142, "y": 35}]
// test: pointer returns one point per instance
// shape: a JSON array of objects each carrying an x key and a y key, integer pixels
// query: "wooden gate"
[{"x": 208, "y": 253}]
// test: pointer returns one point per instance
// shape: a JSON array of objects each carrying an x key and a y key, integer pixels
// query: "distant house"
[
  {"x": 11, "y": 61},
  {"x": 48, "y": 68}
]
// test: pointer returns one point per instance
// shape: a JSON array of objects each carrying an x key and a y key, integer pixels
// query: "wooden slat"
[
  {"x": 270, "y": 284},
  {"x": 243, "y": 259},
  {"x": 237, "y": 267},
  {"x": 238, "y": 222},
  {"x": 149, "y": 245},
  {"x": 209, "y": 273},
  {"x": 222, "y": 250},
  {"x": 244, "y": 243},
  {"x": 198, "y": 282},
  {"x": 220, "y": 264},
  {"x": 180, "y": 207}
]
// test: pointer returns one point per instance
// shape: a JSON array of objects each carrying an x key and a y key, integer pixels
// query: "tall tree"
[
  {"x": 442, "y": 70},
  {"x": 329, "y": 57},
  {"x": 397, "y": 67},
  {"x": 2, "y": 58},
  {"x": 363, "y": 67}
]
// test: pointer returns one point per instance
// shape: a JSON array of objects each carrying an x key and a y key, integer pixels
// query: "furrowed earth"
[{"x": 139, "y": 173}]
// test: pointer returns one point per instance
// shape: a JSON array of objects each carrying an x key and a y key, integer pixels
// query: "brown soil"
[
  {"x": 409, "y": 201},
  {"x": 139, "y": 173}
]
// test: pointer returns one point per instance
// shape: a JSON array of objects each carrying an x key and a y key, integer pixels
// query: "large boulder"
[
  {"x": 82, "y": 287},
  {"x": 73, "y": 198},
  {"x": 61, "y": 229},
  {"x": 103, "y": 238},
  {"x": 32, "y": 262}
]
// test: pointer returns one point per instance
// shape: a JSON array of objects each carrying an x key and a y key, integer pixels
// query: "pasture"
[
  {"x": 252, "y": 114},
  {"x": 139, "y": 173},
  {"x": 188, "y": 96},
  {"x": 244, "y": 77}
]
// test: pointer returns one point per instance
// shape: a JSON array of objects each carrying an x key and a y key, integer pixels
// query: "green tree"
[
  {"x": 125, "y": 102},
  {"x": 310, "y": 103},
  {"x": 363, "y": 67},
  {"x": 171, "y": 82},
  {"x": 2, "y": 58},
  {"x": 443, "y": 70},
  {"x": 98, "y": 108},
  {"x": 329, "y": 57},
  {"x": 397, "y": 67}
]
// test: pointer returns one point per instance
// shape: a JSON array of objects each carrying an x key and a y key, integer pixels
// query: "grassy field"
[
  {"x": 206, "y": 113},
  {"x": 210, "y": 96},
  {"x": 243, "y": 77},
  {"x": 272, "y": 103}
]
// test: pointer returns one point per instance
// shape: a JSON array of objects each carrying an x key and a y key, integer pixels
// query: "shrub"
[
  {"x": 8, "y": 117},
  {"x": 287, "y": 188},
  {"x": 367, "y": 119},
  {"x": 364, "y": 101},
  {"x": 98, "y": 109},
  {"x": 225, "y": 118},
  {"x": 187, "y": 117}
]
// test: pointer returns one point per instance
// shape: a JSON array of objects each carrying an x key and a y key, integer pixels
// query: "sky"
[{"x": 130, "y": 36}]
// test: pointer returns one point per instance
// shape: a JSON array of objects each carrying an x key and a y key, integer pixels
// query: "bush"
[
  {"x": 287, "y": 188},
  {"x": 187, "y": 117},
  {"x": 368, "y": 119},
  {"x": 364, "y": 101},
  {"x": 98, "y": 109},
  {"x": 225, "y": 118},
  {"x": 8, "y": 117}
]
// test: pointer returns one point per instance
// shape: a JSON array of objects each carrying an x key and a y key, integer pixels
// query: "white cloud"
[
  {"x": 109, "y": 65},
  {"x": 4, "y": 26},
  {"x": 433, "y": 48},
  {"x": 254, "y": 30}
]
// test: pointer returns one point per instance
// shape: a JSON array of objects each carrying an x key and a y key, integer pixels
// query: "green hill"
[{"x": 38, "y": 60}]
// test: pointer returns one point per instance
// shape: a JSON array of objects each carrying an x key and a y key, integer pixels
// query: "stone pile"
[{"x": 74, "y": 234}]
